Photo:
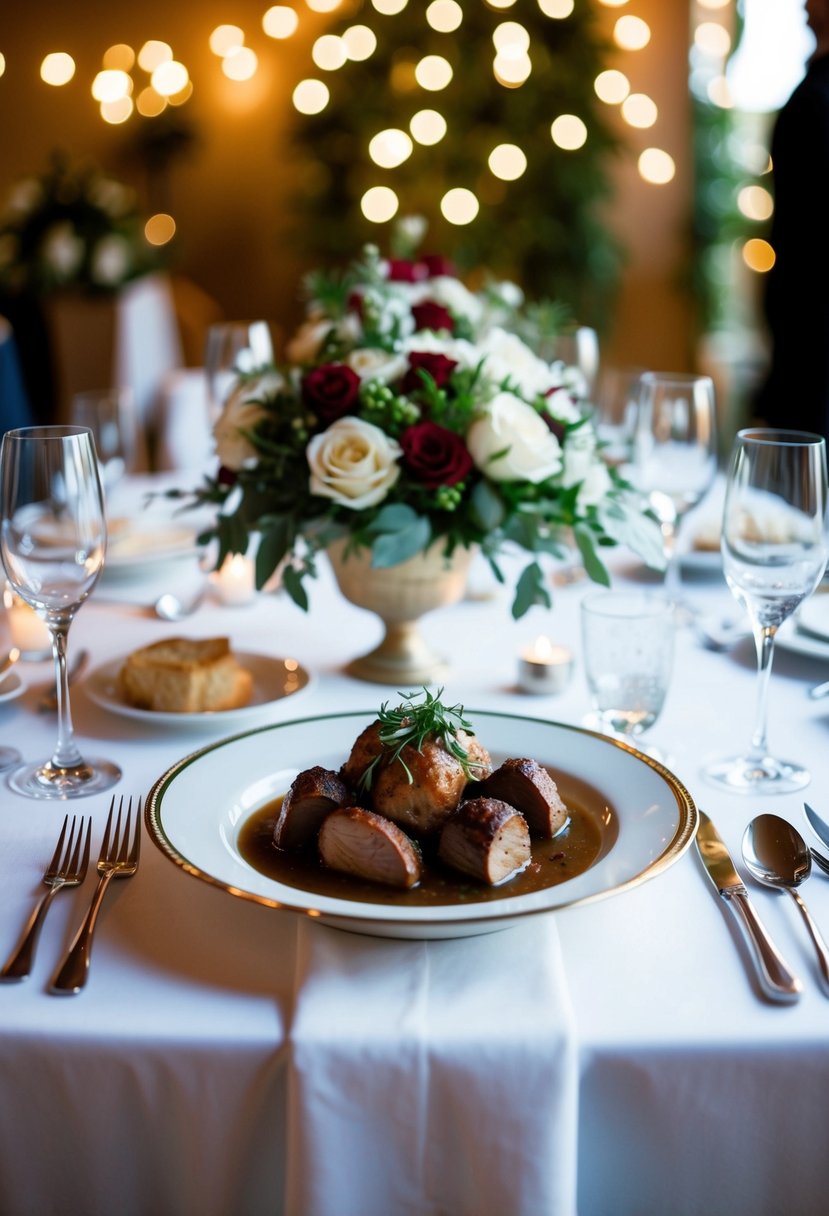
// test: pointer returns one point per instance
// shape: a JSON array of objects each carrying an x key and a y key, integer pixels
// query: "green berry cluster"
[
  {"x": 448, "y": 498},
  {"x": 385, "y": 409}
]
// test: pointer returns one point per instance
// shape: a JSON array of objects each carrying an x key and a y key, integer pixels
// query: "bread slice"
[{"x": 185, "y": 675}]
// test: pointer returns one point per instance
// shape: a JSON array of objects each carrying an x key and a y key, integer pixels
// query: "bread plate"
[
  {"x": 196, "y": 813},
  {"x": 274, "y": 679}
]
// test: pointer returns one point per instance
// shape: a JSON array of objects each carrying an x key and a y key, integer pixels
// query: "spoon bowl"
[
  {"x": 776, "y": 855},
  {"x": 170, "y": 608}
]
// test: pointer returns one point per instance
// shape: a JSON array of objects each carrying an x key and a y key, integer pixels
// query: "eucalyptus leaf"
[
  {"x": 292, "y": 582},
  {"x": 391, "y": 548},
  {"x": 626, "y": 522},
  {"x": 530, "y": 590},
  {"x": 593, "y": 565}
]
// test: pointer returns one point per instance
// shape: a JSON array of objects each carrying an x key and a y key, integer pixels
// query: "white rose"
[
  {"x": 241, "y": 412},
  {"x": 463, "y": 352},
  {"x": 508, "y": 357},
  {"x": 110, "y": 260},
  {"x": 595, "y": 486},
  {"x": 529, "y": 450},
  {"x": 62, "y": 250},
  {"x": 373, "y": 364},
  {"x": 460, "y": 301},
  {"x": 354, "y": 463}
]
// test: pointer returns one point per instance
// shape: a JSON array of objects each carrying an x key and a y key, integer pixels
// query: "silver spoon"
[
  {"x": 170, "y": 608},
  {"x": 776, "y": 854}
]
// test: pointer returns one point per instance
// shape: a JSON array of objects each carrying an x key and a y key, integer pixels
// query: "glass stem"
[
  {"x": 66, "y": 754},
  {"x": 764, "y": 642}
]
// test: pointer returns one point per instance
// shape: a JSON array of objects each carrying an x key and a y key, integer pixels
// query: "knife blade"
[
  {"x": 776, "y": 978},
  {"x": 819, "y": 826}
]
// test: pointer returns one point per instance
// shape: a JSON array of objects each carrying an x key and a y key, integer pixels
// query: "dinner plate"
[
  {"x": 273, "y": 680},
  {"x": 197, "y": 811},
  {"x": 11, "y": 686},
  {"x": 129, "y": 552},
  {"x": 813, "y": 616}
]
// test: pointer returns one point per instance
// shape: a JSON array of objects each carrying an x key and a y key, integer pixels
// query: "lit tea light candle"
[
  {"x": 235, "y": 582},
  {"x": 28, "y": 632},
  {"x": 544, "y": 667}
]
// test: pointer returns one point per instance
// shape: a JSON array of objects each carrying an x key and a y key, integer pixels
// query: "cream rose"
[
  {"x": 511, "y": 442},
  {"x": 371, "y": 364},
  {"x": 354, "y": 463},
  {"x": 241, "y": 412}
]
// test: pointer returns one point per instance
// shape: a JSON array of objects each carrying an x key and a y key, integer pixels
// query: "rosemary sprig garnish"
[{"x": 412, "y": 723}]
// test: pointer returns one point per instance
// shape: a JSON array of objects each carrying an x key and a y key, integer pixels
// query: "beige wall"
[{"x": 226, "y": 193}]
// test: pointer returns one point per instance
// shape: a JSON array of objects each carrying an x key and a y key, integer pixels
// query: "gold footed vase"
[{"x": 400, "y": 595}]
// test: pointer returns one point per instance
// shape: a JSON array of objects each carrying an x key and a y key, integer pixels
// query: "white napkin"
[{"x": 432, "y": 1077}]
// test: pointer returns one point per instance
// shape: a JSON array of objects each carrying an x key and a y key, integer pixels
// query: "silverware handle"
[
  {"x": 817, "y": 939},
  {"x": 19, "y": 964},
  {"x": 72, "y": 975},
  {"x": 778, "y": 982},
  {"x": 820, "y": 690}
]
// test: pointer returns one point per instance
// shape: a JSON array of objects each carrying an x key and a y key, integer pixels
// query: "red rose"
[
  {"x": 401, "y": 270},
  {"x": 439, "y": 367},
  {"x": 436, "y": 265},
  {"x": 331, "y": 391},
  {"x": 434, "y": 455},
  {"x": 431, "y": 315}
]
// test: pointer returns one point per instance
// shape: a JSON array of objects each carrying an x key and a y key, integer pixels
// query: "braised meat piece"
[
  {"x": 313, "y": 794},
  {"x": 423, "y": 802},
  {"x": 528, "y": 787},
  {"x": 486, "y": 838},
  {"x": 359, "y": 842}
]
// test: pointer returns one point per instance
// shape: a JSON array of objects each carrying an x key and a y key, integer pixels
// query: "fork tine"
[
  {"x": 53, "y": 864},
  {"x": 72, "y": 855},
  {"x": 135, "y": 850},
  {"x": 123, "y": 844},
  {"x": 84, "y": 866},
  {"x": 102, "y": 856}
]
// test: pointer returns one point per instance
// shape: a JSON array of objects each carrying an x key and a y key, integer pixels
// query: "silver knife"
[
  {"x": 819, "y": 826},
  {"x": 776, "y": 978}
]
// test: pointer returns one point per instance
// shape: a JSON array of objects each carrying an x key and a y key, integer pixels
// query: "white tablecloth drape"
[{"x": 226, "y": 1058}]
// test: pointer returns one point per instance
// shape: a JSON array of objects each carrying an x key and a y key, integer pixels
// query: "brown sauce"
[{"x": 588, "y": 835}]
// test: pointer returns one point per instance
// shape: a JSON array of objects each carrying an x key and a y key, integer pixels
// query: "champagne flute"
[
  {"x": 774, "y": 554},
  {"x": 234, "y": 348},
  {"x": 674, "y": 453},
  {"x": 52, "y": 545}
]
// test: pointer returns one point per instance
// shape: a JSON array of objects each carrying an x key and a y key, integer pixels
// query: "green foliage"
[{"x": 412, "y": 723}]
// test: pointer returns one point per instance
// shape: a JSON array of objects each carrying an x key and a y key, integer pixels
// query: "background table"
[{"x": 178, "y": 1081}]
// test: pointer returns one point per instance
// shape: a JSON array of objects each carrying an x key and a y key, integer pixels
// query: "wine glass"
[
  {"x": 110, "y": 416},
  {"x": 52, "y": 545},
  {"x": 234, "y": 348},
  {"x": 674, "y": 453},
  {"x": 614, "y": 415},
  {"x": 774, "y": 554}
]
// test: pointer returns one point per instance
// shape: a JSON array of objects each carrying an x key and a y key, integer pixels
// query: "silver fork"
[
  {"x": 66, "y": 869},
  {"x": 118, "y": 859}
]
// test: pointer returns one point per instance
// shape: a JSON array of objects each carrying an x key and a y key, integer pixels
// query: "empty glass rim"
[
  {"x": 610, "y": 601},
  {"x": 770, "y": 434},
  {"x": 684, "y": 378},
  {"x": 52, "y": 430}
]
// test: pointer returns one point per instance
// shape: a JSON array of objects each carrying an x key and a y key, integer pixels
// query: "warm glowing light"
[
  {"x": 153, "y": 54},
  {"x": 613, "y": 3},
  {"x": 713, "y": 4},
  {"x": 390, "y": 148},
  {"x": 557, "y": 9},
  {"x": 507, "y": 161},
  {"x": 240, "y": 64},
  {"x": 719, "y": 92},
  {"x": 226, "y": 38},
  {"x": 459, "y": 206},
  {"x": 280, "y": 21},
  {"x": 2, "y": 63},
  {"x": 713, "y": 39},
  {"x": 160, "y": 228},
  {"x": 119, "y": 56},
  {"x": 57, "y": 68},
  {"x": 323, "y": 6},
  {"x": 511, "y": 71},
  {"x": 170, "y": 77},
  {"x": 389, "y": 8},
  {"x": 639, "y": 110},
  {"x": 500, "y": 3},
  {"x": 433, "y": 73},
  {"x": 379, "y": 204},
  {"x": 149, "y": 103},
  {"x": 755, "y": 202},
  {"x": 631, "y": 33},
  {"x": 360, "y": 42},
  {"x": 178, "y": 99},
  {"x": 329, "y": 52},
  {"x": 568, "y": 132},
  {"x": 656, "y": 166},
  {"x": 444, "y": 15},
  {"x": 310, "y": 96},
  {"x": 117, "y": 111},
  {"x": 611, "y": 87},
  {"x": 427, "y": 127},
  {"x": 758, "y": 255},
  {"x": 510, "y": 39},
  {"x": 111, "y": 85}
]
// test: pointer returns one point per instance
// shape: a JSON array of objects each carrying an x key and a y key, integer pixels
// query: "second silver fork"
[
  {"x": 118, "y": 859},
  {"x": 66, "y": 869}
]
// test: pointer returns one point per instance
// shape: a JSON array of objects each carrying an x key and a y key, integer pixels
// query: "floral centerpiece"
[
  {"x": 414, "y": 410},
  {"x": 72, "y": 226}
]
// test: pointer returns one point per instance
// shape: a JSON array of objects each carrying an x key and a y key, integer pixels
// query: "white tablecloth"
[{"x": 226, "y": 1058}]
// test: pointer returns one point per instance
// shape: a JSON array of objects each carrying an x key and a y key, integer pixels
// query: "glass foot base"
[
  {"x": 41, "y": 780},
  {"x": 9, "y": 756},
  {"x": 595, "y": 722},
  {"x": 749, "y": 775}
]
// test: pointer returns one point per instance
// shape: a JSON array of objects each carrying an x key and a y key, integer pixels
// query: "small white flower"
[
  {"x": 511, "y": 442},
  {"x": 507, "y": 357},
  {"x": 307, "y": 342},
  {"x": 372, "y": 364},
  {"x": 25, "y": 196},
  {"x": 62, "y": 250},
  {"x": 110, "y": 261},
  {"x": 353, "y": 463},
  {"x": 460, "y": 301}
]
